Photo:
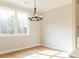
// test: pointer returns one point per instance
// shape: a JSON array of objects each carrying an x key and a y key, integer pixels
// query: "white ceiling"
[{"x": 42, "y": 5}]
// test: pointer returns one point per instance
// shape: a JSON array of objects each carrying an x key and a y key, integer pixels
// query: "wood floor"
[{"x": 41, "y": 50}]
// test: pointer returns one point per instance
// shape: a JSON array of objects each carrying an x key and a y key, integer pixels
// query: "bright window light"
[{"x": 13, "y": 22}]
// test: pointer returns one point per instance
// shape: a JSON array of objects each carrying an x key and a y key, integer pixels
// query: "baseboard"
[
  {"x": 26, "y": 47},
  {"x": 54, "y": 48}
]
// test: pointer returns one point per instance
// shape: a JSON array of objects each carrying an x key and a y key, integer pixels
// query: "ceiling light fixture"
[{"x": 35, "y": 17}]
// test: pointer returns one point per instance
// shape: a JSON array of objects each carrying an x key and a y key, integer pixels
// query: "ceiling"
[{"x": 42, "y": 5}]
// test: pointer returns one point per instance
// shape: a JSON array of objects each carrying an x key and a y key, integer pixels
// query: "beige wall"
[
  {"x": 77, "y": 22},
  {"x": 57, "y": 28},
  {"x": 77, "y": 17}
]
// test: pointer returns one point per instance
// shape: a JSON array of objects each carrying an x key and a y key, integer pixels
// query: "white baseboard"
[
  {"x": 8, "y": 51},
  {"x": 49, "y": 46}
]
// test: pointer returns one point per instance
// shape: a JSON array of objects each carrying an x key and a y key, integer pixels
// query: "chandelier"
[{"x": 35, "y": 17}]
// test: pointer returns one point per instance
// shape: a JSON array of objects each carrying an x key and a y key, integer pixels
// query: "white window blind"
[{"x": 13, "y": 22}]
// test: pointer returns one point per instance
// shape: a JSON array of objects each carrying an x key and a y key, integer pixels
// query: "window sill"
[{"x": 8, "y": 35}]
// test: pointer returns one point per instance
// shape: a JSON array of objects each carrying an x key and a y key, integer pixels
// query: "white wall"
[
  {"x": 56, "y": 31},
  {"x": 10, "y": 43},
  {"x": 57, "y": 27}
]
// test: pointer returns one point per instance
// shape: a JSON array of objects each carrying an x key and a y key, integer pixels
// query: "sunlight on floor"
[{"x": 48, "y": 54}]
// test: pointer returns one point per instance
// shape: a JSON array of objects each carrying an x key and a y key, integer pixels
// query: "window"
[{"x": 13, "y": 22}]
